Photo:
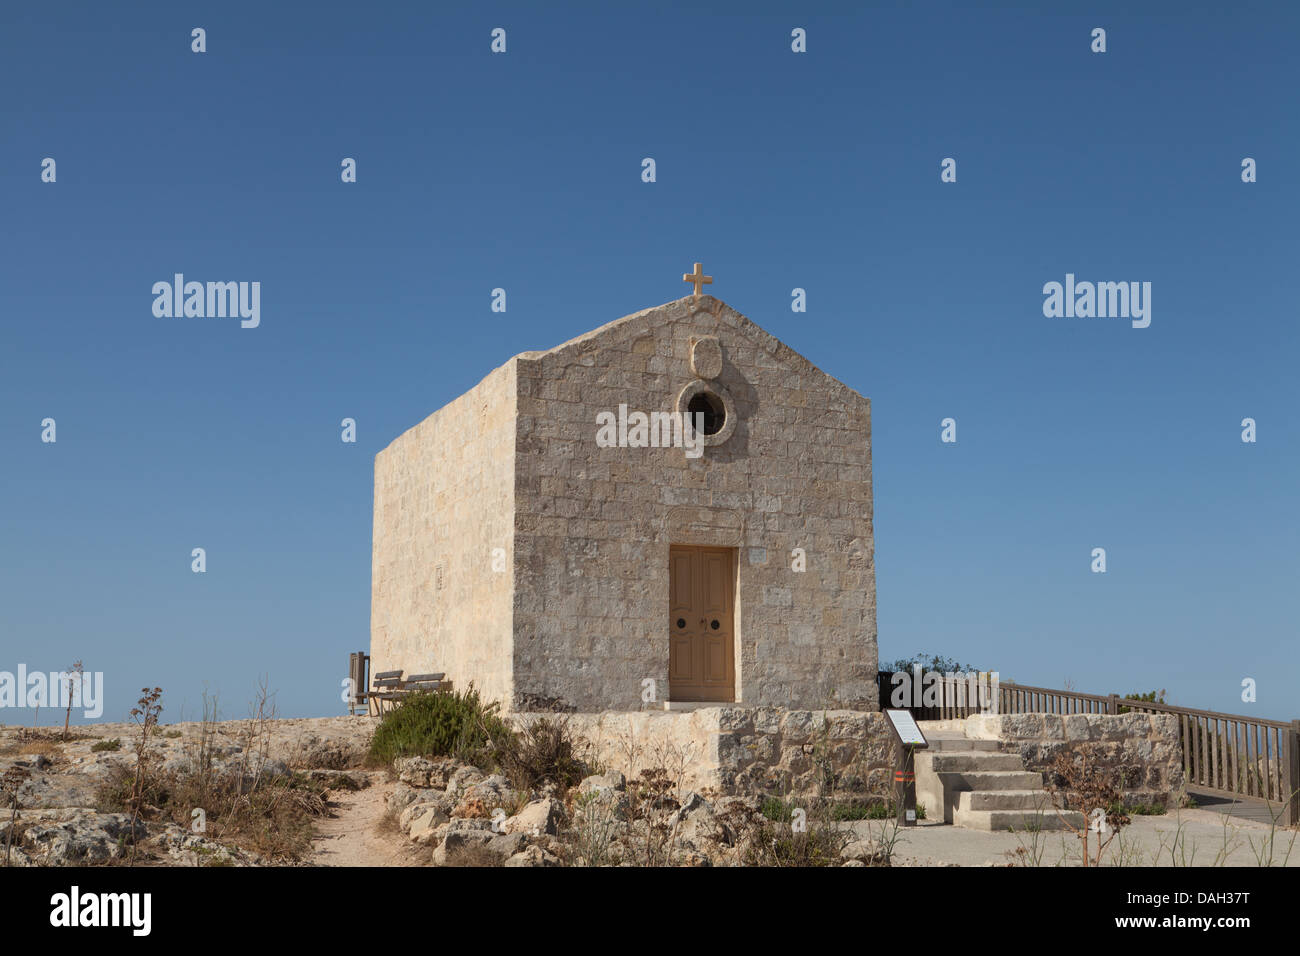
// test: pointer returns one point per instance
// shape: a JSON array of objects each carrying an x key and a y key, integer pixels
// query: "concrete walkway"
[
  {"x": 1245, "y": 809},
  {"x": 1179, "y": 838}
]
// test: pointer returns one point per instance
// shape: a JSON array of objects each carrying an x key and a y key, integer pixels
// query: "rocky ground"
[
  {"x": 422, "y": 812},
  {"x": 58, "y": 784},
  {"x": 417, "y": 812}
]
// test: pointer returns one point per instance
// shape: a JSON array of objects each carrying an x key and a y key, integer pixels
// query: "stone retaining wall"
[
  {"x": 738, "y": 750},
  {"x": 770, "y": 750},
  {"x": 1143, "y": 748}
]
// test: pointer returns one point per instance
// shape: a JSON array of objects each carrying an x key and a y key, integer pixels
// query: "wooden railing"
[{"x": 1226, "y": 754}]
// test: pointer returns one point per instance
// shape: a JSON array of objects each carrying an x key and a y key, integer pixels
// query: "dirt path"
[{"x": 350, "y": 836}]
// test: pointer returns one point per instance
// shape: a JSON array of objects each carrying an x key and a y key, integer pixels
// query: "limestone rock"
[
  {"x": 540, "y": 816},
  {"x": 534, "y": 856},
  {"x": 506, "y": 845},
  {"x": 461, "y": 780},
  {"x": 866, "y": 852},
  {"x": 402, "y": 797},
  {"x": 699, "y": 827},
  {"x": 483, "y": 798},
  {"x": 460, "y": 836},
  {"x": 75, "y": 835},
  {"x": 193, "y": 849},
  {"x": 611, "y": 780},
  {"x": 418, "y": 819}
]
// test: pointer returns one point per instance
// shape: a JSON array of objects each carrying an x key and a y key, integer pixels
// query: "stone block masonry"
[
  {"x": 1143, "y": 748},
  {"x": 745, "y": 751}
]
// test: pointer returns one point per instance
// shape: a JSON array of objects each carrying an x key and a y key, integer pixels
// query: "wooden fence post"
[
  {"x": 1112, "y": 705},
  {"x": 1292, "y": 777}
]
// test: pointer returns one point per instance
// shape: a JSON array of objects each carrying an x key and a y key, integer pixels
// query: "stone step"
[
  {"x": 947, "y": 762},
  {"x": 990, "y": 780},
  {"x": 1005, "y": 800},
  {"x": 949, "y": 743},
  {"x": 1022, "y": 820}
]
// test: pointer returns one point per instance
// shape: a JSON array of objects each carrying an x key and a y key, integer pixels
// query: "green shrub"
[
  {"x": 1150, "y": 697},
  {"x": 113, "y": 743},
  {"x": 440, "y": 724},
  {"x": 780, "y": 811},
  {"x": 1137, "y": 809},
  {"x": 928, "y": 662},
  {"x": 880, "y": 811},
  {"x": 776, "y": 810}
]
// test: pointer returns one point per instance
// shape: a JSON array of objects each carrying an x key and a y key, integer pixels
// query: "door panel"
[{"x": 701, "y": 605}]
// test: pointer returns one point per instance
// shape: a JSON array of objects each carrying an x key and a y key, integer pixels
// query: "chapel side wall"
[
  {"x": 444, "y": 496},
  {"x": 592, "y": 524}
]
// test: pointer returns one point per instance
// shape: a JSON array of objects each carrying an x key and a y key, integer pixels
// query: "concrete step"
[
  {"x": 1005, "y": 800},
  {"x": 949, "y": 761},
  {"x": 1022, "y": 820}
]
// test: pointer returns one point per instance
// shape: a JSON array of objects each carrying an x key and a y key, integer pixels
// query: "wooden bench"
[
  {"x": 391, "y": 687},
  {"x": 387, "y": 686},
  {"x": 425, "y": 682}
]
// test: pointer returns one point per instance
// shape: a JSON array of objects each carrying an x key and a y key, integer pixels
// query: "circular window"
[
  {"x": 713, "y": 403},
  {"x": 708, "y": 406}
]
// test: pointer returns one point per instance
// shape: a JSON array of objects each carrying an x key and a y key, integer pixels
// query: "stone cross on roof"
[{"x": 697, "y": 278}]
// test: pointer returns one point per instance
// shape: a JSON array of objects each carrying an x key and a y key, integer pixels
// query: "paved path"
[{"x": 1181, "y": 838}]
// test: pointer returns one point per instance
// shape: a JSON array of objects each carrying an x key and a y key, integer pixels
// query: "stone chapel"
[{"x": 562, "y": 536}]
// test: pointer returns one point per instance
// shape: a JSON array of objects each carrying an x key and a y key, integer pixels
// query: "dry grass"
[
  {"x": 473, "y": 855},
  {"x": 48, "y": 748},
  {"x": 28, "y": 741},
  {"x": 390, "y": 824},
  {"x": 543, "y": 751},
  {"x": 242, "y": 804}
]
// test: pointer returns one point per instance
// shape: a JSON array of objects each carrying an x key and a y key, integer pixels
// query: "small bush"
[
  {"x": 781, "y": 811},
  {"x": 876, "y": 811},
  {"x": 1136, "y": 809},
  {"x": 440, "y": 724},
  {"x": 113, "y": 743},
  {"x": 542, "y": 751},
  {"x": 776, "y": 810},
  {"x": 764, "y": 842}
]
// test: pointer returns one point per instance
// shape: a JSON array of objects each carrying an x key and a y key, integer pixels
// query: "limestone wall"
[
  {"x": 745, "y": 751},
  {"x": 771, "y": 750},
  {"x": 443, "y": 501},
  {"x": 593, "y": 525},
  {"x": 1144, "y": 748}
]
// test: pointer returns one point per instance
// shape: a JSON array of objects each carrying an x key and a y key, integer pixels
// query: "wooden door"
[{"x": 701, "y": 607}]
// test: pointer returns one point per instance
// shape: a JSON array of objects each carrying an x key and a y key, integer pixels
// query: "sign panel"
[{"x": 905, "y": 726}]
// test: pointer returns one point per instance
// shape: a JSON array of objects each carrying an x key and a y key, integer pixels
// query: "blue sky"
[{"x": 776, "y": 170}]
